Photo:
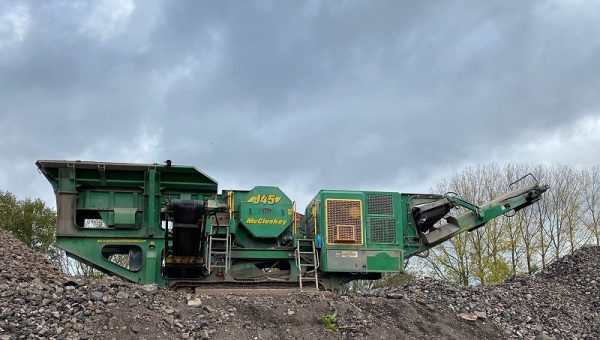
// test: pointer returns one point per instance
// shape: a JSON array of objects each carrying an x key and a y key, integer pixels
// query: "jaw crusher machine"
[{"x": 168, "y": 225}]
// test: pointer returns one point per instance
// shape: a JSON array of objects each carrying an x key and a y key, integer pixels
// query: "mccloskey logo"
[{"x": 251, "y": 220}]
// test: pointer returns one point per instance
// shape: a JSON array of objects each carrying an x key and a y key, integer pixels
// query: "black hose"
[{"x": 218, "y": 226}]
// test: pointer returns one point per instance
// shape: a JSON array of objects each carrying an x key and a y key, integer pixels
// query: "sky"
[{"x": 305, "y": 95}]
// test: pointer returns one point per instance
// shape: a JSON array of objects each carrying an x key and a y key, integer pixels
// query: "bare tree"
[
  {"x": 564, "y": 207},
  {"x": 591, "y": 202},
  {"x": 452, "y": 261},
  {"x": 567, "y": 217}
]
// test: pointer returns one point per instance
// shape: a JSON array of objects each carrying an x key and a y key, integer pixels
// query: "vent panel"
[
  {"x": 383, "y": 230},
  {"x": 344, "y": 221},
  {"x": 380, "y": 205}
]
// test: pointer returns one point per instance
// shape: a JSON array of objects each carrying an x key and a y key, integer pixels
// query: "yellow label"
[
  {"x": 120, "y": 241},
  {"x": 251, "y": 220},
  {"x": 264, "y": 199}
]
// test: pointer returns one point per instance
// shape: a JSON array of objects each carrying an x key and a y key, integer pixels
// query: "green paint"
[
  {"x": 382, "y": 262},
  {"x": 131, "y": 200},
  {"x": 266, "y": 212}
]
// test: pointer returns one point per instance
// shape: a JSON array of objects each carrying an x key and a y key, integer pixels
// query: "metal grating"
[
  {"x": 383, "y": 230},
  {"x": 345, "y": 233},
  {"x": 380, "y": 205},
  {"x": 344, "y": 221}
]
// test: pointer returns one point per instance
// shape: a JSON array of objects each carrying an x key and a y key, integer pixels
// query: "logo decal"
[
  {"x": 264, "y": 199},
  {"x": 251, "y": 220}
]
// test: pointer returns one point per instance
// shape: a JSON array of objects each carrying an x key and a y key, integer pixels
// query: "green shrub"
[{"x": 329, "y": 320}]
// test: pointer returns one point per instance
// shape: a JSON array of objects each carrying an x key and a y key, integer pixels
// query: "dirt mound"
[
  {"x": 562, "y": 302},
  {"x": 39, "y": 302},
  {"x": 19, "y": 264}
]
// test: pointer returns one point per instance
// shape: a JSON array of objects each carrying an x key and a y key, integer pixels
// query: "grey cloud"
[{"x": 307, "y": 95}]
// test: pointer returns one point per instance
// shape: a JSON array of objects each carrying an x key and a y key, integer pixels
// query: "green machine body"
[{"x": 168, "y": 225}]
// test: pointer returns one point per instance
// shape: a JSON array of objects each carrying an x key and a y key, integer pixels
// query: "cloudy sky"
[{"x": 384, "y": 95}]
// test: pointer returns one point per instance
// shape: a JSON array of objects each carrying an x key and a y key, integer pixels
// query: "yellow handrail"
[
  {"x": 314, "y": 216},
  {"x": 230, "y": 204},
  {"x": 294, "y": 227}
]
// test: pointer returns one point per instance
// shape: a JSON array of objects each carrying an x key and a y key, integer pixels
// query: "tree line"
[
  {"x": 567, "y": 217},
  {"x": 29, "y": 220},
  {"x": 33, "y": 222}
]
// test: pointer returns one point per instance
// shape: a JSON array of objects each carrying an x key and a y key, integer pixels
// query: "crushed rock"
[
  {"x": 561, "y": 302},
  {"x": 37, "y": 301}
]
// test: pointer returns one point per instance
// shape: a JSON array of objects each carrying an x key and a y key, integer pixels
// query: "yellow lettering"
[
  {"x": 120, "y": 241},
  {"x": 264, "y": 199},
  {"x": 251, "y": 220}
]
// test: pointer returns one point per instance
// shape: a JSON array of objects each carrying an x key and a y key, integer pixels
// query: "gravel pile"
[
  {"x": 562, "y": 302},
  {"x": 39, "y": 302},
  {"x": 21, "y": 265}
]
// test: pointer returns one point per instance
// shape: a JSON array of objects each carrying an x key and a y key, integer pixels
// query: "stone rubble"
[
  {"x": 39, "y": 302},
  {"x": 561, "y": 302}
]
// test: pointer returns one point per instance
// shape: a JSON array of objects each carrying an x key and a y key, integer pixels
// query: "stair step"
[
  {"x": 306, "y": 256},
  {"x": 219, "y": 258}
]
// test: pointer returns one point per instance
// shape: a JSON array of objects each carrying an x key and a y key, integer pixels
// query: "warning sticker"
[{"x": 346, "y": 253}]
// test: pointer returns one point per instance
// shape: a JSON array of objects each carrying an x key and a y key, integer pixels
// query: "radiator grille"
[
  {"x": 344, "y": 221},
  {"x": 380, "y": 205},
  {"x": 383, "y": 230}
]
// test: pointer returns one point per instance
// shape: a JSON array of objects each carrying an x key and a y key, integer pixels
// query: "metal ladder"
[
  {"x": 226, "y": 264},
  {"x": 302, "y": 253}
]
